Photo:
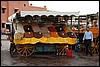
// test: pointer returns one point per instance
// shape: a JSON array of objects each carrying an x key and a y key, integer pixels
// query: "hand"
[
  {"x": 83, "y": 41},
  {"x": 92, "y": 42}
]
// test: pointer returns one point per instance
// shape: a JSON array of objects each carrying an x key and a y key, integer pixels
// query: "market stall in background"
[{"x": 89, "y": 20}]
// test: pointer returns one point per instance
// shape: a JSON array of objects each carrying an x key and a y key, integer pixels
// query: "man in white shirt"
[{"x": 87, "y": 40}]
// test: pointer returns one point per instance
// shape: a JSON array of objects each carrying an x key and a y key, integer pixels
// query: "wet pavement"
[{"x": 48, "y": 60}]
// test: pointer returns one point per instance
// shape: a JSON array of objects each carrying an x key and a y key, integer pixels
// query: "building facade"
[{"x": 10, "y": 7}]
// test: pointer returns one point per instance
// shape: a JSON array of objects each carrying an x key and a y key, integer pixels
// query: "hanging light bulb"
[
  {"x": 28, "y": 28},
  {"x": 62, "y": 33},
  {"x": 29, "y": 32},
  {"x": 29, "y": 21},
  {"x": 60, "y": 28},
  {"x": 39, "y": 32}
]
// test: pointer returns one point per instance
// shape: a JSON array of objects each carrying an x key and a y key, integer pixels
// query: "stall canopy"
[{"x": 41, "y": 13}]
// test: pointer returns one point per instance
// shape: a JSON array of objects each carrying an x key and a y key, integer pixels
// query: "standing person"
[{"x": 87, "y": 40}]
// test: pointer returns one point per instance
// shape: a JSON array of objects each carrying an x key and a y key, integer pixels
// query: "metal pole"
[
  {"x": 71, "y": 23},
  {"x": 92, "y": 19},
  {"x": 12, "y": 33},
  {"x": 97, "y": 16},
  {"x": 78, "y": 24},
  {"x": 86, "y": 21},
  {"x": 67, "y": 20}
]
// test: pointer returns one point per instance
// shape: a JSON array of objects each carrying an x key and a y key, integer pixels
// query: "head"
[{"x": 87, "y": 29}]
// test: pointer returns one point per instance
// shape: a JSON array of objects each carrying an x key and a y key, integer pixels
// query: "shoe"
[
  {"x": 85, "y": 54},
  {"x": 90, "y": 54},
  {"x": 8, "y": 50}
]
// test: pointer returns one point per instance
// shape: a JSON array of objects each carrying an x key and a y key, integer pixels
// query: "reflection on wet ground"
[{"x": 78, "y": 59}]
